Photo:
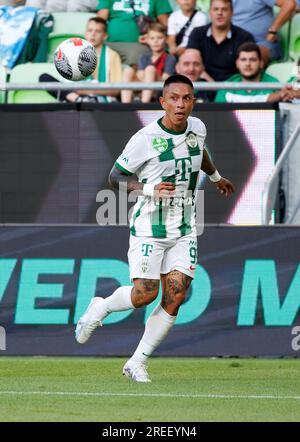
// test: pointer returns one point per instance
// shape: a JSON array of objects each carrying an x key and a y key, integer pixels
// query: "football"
[{"x": 75, "y": 59}]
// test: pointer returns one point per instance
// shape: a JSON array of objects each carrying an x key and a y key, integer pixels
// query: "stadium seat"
[
  {"x": 282, "y": 71},
  {"x": 67, "y": 25},
  {"x": 29, "y": 73},
  {"x": 2, "y": 80},
  {"x": 295, "y": 38},
  {"x": 203, "y": 5}
]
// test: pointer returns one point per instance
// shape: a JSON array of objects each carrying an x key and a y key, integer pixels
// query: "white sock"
[
  {"x": 157, "y": 327},
  {"x": 119, "y": 301}
]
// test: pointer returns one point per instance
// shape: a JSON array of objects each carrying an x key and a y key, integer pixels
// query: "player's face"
[
  {"x": 156, "y": 41},
  {"x": 95, "y": 33},
  {"x": 178, "y": 102},
  {"x": 249, "y": 65},
  {"x": 190, "y": 64},
  {"x": 220, "y": 14}
]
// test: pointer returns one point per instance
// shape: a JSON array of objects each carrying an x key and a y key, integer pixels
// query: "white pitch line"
[{"x": 160, "y": 395}]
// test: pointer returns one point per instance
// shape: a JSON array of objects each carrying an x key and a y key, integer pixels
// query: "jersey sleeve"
[{"x": 134, "y": 155}]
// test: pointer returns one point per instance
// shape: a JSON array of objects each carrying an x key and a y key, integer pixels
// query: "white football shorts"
[{"x": 150, "y": 257}]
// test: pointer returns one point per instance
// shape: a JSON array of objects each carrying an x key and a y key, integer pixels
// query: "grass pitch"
[{"x": 182, "y": 389}]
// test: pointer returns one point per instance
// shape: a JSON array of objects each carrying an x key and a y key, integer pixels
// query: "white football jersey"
[{"x": 156, "y": 154}]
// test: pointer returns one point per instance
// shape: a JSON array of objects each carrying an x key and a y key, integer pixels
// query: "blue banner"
[
  {"x": 15, "y": 25},
  {"x": 244, "y": 300}
]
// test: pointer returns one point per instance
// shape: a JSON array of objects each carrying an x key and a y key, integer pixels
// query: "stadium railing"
[
  {"x": 270, "y": 193},
  {"x": 136, "y": 86},
  {"x": 13, "y": 89}
]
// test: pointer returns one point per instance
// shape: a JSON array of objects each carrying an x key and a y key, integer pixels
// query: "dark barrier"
[
  {"x": 244, "y": 299},
  {"x": 53, "y": 162}
]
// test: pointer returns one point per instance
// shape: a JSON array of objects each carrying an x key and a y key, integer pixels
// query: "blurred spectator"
[
  {"x": 257, "y": 17},
  {"x": 298, "y": 6},
  {"x": 191, "y": 65},
  {"x": 250, "y": 66},
  {"x": 124, "y": 35},
  {"x": 109, "y": 67},
  {"x": 12, "y": 2},
  {"x": 181, "y": 23},
  {"x": 64, "y": 5},
  {"x": 218, "y": 42},
  {"x": 156, "y": 65}
]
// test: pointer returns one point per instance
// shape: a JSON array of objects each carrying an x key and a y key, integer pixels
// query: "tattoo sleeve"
[{"x": 116, "y": 177}]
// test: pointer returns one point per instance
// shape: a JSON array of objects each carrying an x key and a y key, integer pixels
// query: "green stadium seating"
[
  {"x": 67, "y": 25},
  {"x": 284, "y": 35},
  {"x": 295, "y": 38},
  {"x": 203, "y": 5},
  {"x": 2, "y": 80},
  {"x": 29, "y": 73},
  {"x": 282, "y": 71}
]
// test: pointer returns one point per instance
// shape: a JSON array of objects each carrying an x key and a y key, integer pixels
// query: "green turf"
[{"x": 187, "y": 376}]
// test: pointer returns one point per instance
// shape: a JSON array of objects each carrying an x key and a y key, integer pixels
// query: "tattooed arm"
[{"x": 116, "y": 177}]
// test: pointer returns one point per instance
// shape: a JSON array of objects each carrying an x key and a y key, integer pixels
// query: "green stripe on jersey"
[
  {"x": 121, "y": 168},
  {"x": 193, "y": 181},
  {"x": 135, "y": 216},
  {"x": 193, "y": 151},
  {"x": 168, "y": 154},
  {"x": 159, "y": 230}
]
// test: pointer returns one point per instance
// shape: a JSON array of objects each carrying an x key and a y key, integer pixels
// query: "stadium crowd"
[{"x": 147, "y": 41}]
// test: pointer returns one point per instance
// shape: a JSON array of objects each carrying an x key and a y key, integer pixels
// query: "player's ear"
[{"x": 162, "y": 102}]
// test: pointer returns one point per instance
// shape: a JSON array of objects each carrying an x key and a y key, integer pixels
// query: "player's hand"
[
  {"x": 225, "y": 186},
  {"x": 164, "y": 190}
]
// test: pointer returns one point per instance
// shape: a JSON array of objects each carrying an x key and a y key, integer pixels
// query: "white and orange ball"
[{"x": 75, "y": 59}]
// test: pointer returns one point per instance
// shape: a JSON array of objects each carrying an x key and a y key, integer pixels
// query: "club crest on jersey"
[
  {"x": 160, "y": 144},
  {"x": 191, "y": 140},
  {"x": 145, "y": 265}
]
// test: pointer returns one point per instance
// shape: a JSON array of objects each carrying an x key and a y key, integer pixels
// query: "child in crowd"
[
  {"x": 181, "y": 23},
  {"x": 156, "y": 65}
]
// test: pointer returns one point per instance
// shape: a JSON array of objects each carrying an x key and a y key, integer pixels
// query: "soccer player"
[{"x": 161, "y": 161}]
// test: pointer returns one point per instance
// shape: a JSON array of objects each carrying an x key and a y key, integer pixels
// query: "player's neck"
[{"x": 169, "y": 126}]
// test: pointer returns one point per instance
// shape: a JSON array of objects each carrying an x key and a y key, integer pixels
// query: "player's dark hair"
[
  {"x": 298, "y": 62},
  {"x": 249, "y": 46},
  {"x": 100, "y": 21},
  {"x": 177, "y": 78}
]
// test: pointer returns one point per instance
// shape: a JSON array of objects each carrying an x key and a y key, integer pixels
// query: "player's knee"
[
  {"x": 145, "y": 291},
  {"x": 150, "y": 297},
  {"x": 174, "y": 300}
]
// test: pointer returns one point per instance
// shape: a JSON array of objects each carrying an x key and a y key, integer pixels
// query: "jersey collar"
[{"x": 169, "y": 131}]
